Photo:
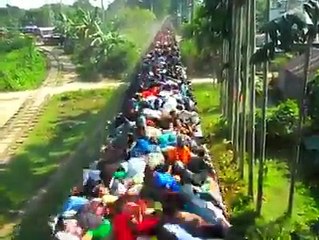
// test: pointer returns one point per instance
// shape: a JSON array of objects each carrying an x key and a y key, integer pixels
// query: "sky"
[{"x": 27, "y": 4}]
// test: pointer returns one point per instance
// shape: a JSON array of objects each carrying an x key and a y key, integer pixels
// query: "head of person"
[
  {"x": 180, "y": 141},
  {"x": 173, "y": 114},
  {"x": 200, "y": 151},
  {"x": 75, "y": 191},
  {"x": 130, "y": 138}
]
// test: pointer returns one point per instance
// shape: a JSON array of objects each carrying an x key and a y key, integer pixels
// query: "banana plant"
[
  {"x": 87, "y": 23},
  {"x": 104, "y": 44}
]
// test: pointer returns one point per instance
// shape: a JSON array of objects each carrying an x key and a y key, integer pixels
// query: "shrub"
[
  {"x": 281, "y": 120},
  {"x": 15, "y": 42},
  {"x": 284, "y": 119},
  {"x": 187, "y": 30},
  {"x": 120, "y": 59},
  {"x": 30, "y": 63},
  {"x": 221, "y": 127}
]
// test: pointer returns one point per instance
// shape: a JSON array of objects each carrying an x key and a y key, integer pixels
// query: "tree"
[
  {"x": 262, "y": 155},
  {"x": 10, "y": 16},
  {"x": 252, "y": 102},
  {"x": 261, "y": 13},
  {"x": 244, "y": 91},
  {"x": 42, "y": 17},
  {"x": 312, "y": 9}
]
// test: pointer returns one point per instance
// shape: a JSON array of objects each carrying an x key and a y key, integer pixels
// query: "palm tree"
[
  {"x": 260, "y": 181},
  {"x": 65, "y": 27},
  {"x": 87, "y": 23},
  {"x": 252, "y": 101},
  {"x": 232, "y": 73},
  {"x": 237, "y": 85},
  {"x": 244, "y": 90},
  {"x": 312, "y": 9},
  {"x": 103, "y": 44}
]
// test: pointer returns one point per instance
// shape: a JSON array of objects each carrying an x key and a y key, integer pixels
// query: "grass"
[
  {"x": 31, "y": 65},
  {"x": 207, "y": 96},
  {"x": 68, "y": 120},
  {"x": 276, "y": 192},
  {"x": 273, "y": 224}
]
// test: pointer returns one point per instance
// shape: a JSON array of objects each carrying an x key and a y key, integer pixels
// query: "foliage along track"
[{"x": 17, "y": 128}]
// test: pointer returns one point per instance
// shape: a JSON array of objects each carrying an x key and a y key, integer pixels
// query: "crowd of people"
[{"x": 155, "y": 178}]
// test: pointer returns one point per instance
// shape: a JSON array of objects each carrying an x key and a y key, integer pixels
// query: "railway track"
[{"x": 17, "y": 128}]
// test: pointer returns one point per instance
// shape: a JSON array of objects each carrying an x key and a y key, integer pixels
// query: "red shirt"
[
  {"x": 121, "y": 228},
  {"x": 153, "y": 91},
  {"x": 147, "y": 226}
]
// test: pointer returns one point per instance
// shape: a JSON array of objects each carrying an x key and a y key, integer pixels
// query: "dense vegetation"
[
  {"x": 22, "y": 65},
  {"x": 110, "y": 47}
]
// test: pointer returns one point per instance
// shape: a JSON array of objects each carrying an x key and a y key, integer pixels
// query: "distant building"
[{"x": 291, "y": 77}]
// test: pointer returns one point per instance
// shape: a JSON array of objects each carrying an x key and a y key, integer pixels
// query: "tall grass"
[{"x": 22, "y": 65}]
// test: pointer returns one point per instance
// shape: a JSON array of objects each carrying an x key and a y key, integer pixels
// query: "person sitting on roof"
[
  {"x": 179, "y": 153},
  {"x": 180, "y": 225}
]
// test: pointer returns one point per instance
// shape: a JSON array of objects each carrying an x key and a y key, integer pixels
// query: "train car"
[{"x": 154, "y": 178}]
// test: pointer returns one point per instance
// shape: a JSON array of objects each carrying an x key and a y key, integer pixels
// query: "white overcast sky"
[{"x": 27, "y": 4}]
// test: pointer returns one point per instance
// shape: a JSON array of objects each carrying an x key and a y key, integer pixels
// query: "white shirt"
[
  {"x": 152, "y": 113},
  {"x": 179, "y": 232},
  {"x": 170, "y": 104},
  {"x": 66, "y": 236},
  {"x": 187, "y": 116}
]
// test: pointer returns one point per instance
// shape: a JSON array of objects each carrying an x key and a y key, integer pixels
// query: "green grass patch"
[
  {"x": 68, "y": 120},
  {"x": 207, "y": 96},
  {"x": 22, "y": 69},
  {"x": 273, "y": 224},
  {"x": 276, "y": 192}
]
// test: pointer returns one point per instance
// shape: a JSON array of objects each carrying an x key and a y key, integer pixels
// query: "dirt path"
[{"x": 203, "y": 80}]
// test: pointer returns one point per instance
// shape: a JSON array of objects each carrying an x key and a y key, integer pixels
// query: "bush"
[
  {"x": 282, "y": 120},
  {"x": 120, "y": 59},
  {"x": 15, "y": 42},
  {"x": 21, "y": 69},
  {"x": 187, "y": 30},
  {"x": 221, "y": 127}
]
